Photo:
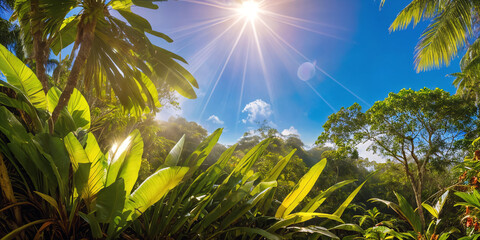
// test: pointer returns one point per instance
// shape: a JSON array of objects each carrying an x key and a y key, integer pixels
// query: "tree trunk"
[
  {"x": 86, "y": 41},
  {"x": 417, "y": 186},
  {"x": 39, "y": 45}
]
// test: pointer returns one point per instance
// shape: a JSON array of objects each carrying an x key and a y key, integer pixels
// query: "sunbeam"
[
  {"x": 223, "y": 68},
  {"x": 266, "y": 24}
]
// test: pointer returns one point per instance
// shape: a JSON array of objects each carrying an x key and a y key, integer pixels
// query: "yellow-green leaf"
[
  {"x": 22, "y": 77},
  {"x": 301, "y": 190}
]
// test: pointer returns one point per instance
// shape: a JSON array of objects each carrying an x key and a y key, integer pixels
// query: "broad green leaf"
[
  {"x": 124, "y": 160},
  {"x": 409, "y": 213},
  {"x": 96, "y": 179},
  {"x": 21, "y": 102},
  {"x": 154, "y": 188},
  {"x": 77, "y": 107},
  {"x": 75, "y": 150},
  {"x": 20, "y": 76},
  {"x": 299, "y": 218},
  {"x": 135, "y": 20},
  {"x": 174, "y": 155},
  {"x": 110, "y": 202},
  {"x": 53, "y": 150},
  {"x": 145, "y": 4},
  {"x": 301, "y": 190},
  {"x": 80, "y": 179},
  {"x": 133, "y": 160},
  {"x": 93, "y": 222}
]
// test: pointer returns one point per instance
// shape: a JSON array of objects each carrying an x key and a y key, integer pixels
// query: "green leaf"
[
  {"x": 51, "y": 201},
  {"x": 75, "y": 150},
  {"x": 20, "y": 76},
  {"x": 66, "y": 35},
  {"x": 110, "y": 202},
  {"x": 14, "y": 233},
  {"x": 174, "y": 155},
  {"x": 135, "y": 20},
  {"x": 80, "y": 178},
  {"x": 257, "y": 231},
  {"x": 350, "y": 198},
  {"x": 348, "y": 227},
  {"x": 154, "y": 188},
  {"x": 125, "y": 160},
  {"x": 94, "y": 224},
  {"x": 195, "y": 160},
  {"x": 301, "y": 190},
  {"x": 77, "y": 107},
  {"x": 316, "y": 202},
  {"x": 430, "y": 209},
  {"x": 409, "y": 213},
  {"x": 275, "y": 172},
  {"x": 96, "y": 179},
  {"x": 299, "y": 218},
  {"x": 259, "y": 193},
  {"x": 315, "y": 230}
]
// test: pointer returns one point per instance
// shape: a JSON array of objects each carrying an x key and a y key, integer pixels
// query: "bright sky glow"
[
  {"x": 250, "y": 52},
  {"x": 249, "y": 9}
]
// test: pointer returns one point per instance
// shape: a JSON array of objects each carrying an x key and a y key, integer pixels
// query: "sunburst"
[{"x": 250, "y": 26}]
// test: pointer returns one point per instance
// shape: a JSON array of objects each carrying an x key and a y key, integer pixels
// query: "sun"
[{"x": 249, "y": 9}]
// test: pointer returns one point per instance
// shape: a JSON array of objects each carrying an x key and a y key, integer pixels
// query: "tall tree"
[
  {"x": 416, "y": 129},
  {"x": 102, "y": 45}
]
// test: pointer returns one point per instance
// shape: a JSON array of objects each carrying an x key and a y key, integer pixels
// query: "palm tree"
[
  {"x": 108, "y": 54},
  {"x": 453, "y": 25}
]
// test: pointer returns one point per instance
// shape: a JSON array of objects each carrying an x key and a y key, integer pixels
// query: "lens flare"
[{"x": 249, "y": 9}]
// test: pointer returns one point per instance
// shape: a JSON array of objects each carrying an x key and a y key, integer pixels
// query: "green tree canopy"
[{"x": 414, "y": 128}]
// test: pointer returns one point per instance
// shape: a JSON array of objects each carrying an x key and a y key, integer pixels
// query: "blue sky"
[{"x": 254, "y": 77}]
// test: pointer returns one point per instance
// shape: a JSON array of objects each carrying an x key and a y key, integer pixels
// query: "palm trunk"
[
  {"x": 39, "y": 45},
  {"x": 86, "y": 41}
]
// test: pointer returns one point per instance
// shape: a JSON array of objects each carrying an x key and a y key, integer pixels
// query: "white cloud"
[
  {"x": 364, "y": 153},
  {"x": 257, "y": 110},
  {"x": 215, "y": 120},
  {"x": 290, "y": 131}
]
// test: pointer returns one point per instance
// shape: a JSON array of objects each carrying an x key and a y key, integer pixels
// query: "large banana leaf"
[
  {"x": 124, "y": 161},
  {"x": 77, "y": 107},
  {"x": 110, "y": 202},
  {"x": 22, "y": 77},
  {"x": 301, "y": 190},
  {"x": 96, "y": 179},
  {"x": 154, "y": 188}
]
